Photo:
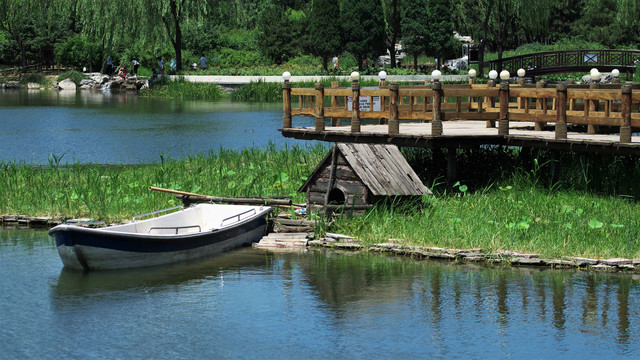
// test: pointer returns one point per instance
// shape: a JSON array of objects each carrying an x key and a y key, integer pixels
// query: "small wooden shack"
[{"x": 361, "y": 174}]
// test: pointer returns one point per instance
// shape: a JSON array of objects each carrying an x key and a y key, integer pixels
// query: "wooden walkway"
[
  {"x": 467, "y": 133},
  {"x": 568, "y": 118}
]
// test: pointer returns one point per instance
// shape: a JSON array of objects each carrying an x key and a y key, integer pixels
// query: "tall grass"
[
  {"x": 517, "y": 215},
  {"x": 506, "y": 198},
  {"x": 272, "y": 91},
  {"x": 182, "y": 89},
  {"x": 117, "y": 192}
]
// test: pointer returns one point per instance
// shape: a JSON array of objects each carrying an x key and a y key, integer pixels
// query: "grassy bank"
[
  {"x": 118, "y": 192},
  {"x": 501, "y": 203}
]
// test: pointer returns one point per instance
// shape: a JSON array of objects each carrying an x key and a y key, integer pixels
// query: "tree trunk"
[
  {"x": 178, "y": 47},
  {"x": 325, "y": 60},
  {"x": 23, "y": 51}
]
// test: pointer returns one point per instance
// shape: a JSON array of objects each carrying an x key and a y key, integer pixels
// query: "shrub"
[
  {"x": 75, "y": 76},
  {"x": 78, "y": 51},
  {"x": 226, "y": 57}
]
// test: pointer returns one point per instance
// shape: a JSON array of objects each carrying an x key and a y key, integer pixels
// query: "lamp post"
[
  {"x": 286, "y": 100},
  {"x": 521, "y": 74},
  {"x": 472, "y": 76},
  {"x": 595, "y": 75},
  {"x": 503, "y": 122},
  {"x": 504, "y": 76},
  {"x": 382, "y": 75},
  {"x": 616, "y": 76},
  {"x": 435, "y": 75}
]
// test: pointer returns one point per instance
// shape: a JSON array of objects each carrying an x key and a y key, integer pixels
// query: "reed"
[
  {"x": 118, "y": 192},
  {"x": 501, "y": 204},
  {"x": 512, "y": 207},
  {"x": 182, "y": 89}
]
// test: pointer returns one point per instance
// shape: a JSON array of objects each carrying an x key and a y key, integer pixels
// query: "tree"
[
  {"x": 173, "y": 14},
  {"x": 438, "y": 39},
  {"x": 282, "y": 33},
  {"x": 414, "y": 29},
  {"x": 324, "y": 29},
  {"x": 393, "y": 26},
  {"x": 363, "y": 27},
  {"x": 15, "y": 18},
  {"x": 496, "y": 24}
]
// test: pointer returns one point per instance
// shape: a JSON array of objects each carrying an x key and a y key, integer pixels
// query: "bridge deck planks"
[{"x": 466, "y": 133}]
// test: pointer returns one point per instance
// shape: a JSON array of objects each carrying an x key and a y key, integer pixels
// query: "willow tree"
[
  {"x": 148, "y": 23},
  {"x": 14, "y": 22},
  {"x": 171, "y": 14},
  {"x": 111, "y": 23},
  {"x": 496, "y": 23},
  {"x": 628, "y": 18}
]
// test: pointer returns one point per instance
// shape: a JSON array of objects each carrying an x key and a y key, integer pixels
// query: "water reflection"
[
  {"x": 587, "y": 302},
  {"x": 71, "y": 283},
  {"x": 315, "y": 304}
]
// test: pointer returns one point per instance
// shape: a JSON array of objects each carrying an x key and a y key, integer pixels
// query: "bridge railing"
[
  {"x": 569, "y": 61},
  {"x": 561, "y": 105}
]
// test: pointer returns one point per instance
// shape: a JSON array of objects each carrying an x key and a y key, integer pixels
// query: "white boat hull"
[{"x": 154, "y": 243}]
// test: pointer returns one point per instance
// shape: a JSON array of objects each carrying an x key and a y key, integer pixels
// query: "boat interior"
[{"x": 194, "y": 219}]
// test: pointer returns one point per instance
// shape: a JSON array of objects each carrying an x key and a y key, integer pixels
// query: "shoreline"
[
  {"x": 505, "y": 257},
  {"x": 347, "y": 243}
]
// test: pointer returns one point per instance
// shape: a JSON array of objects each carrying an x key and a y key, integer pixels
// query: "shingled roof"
[{"x": 382, "y": 168}]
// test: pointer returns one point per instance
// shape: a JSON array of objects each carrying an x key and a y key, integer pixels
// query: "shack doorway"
[{"x": 336, "y": 197}]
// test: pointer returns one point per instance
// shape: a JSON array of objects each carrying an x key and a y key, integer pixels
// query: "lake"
[
  {"x": 111, "y": 128},
  {"x": 257, "y": 304}
]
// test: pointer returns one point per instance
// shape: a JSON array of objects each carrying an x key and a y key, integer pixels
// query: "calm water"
[
  {"x": 93, "y": 127},
  {"x": 255, "y": 304}
]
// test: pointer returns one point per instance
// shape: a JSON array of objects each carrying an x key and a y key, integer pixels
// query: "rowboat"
[{"x": 189, "y": 233}]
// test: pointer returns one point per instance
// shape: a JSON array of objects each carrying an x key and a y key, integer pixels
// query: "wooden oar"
[{"x": 285, "y": 203}]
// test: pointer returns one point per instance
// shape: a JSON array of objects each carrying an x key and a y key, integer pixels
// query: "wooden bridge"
[
  {"x": 569, "y": 118},
  {"x": 569, "y": 61}
]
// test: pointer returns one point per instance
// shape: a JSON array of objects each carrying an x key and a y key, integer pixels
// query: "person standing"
[
  {"x": 203, "y": 62},
  {"x": 160, "y": 66},
  {"x": 109, "y": 66},
  {"x": 135, "y": 64}
]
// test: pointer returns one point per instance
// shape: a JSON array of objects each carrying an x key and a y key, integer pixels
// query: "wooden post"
[
  {"x": 625, "y": 129},
  {"x": 355, "y": 106},
  {"x": 286, "y": 103},
  {"x": 319, "y": 106},
  {"x": 503, "y": 123},
  {"x": 521, "y": 100},
  {"x": 491, "y": 103},
  {"x": 436, "y": 124},
  {"x": 394, "y": 123},
  {"x": 572, "y": 102},
  {"x": 593, "y": 106},
  {"x": 541, "y": 104},
  {"x": 561, "y": 112},
  {"x": 335, "y": 104},
  {"x": 472, "y": 80}
]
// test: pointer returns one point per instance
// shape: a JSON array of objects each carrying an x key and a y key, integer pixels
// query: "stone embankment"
[
  {"x": 103, "y": 82},
  {"x": 298, "y": 234}
]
